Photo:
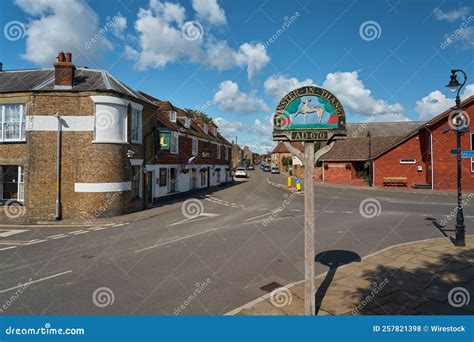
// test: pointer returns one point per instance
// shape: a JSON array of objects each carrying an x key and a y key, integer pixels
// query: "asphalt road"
[{"x": 208, "y": 264}]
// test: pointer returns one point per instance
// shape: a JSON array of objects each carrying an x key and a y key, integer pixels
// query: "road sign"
[
  {"x": 467, "y": 154},
  {"x": 309, "y": 114}
]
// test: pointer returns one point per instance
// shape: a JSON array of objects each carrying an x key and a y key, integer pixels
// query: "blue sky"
[{"x": 384, "y": 60}]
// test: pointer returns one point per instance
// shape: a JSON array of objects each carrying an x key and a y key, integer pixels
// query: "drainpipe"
[
  {"x": 431, "y": 156},
  {"x": 57, "y": 214}
]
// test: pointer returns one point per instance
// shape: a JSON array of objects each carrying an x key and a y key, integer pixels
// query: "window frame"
[
  {"x": 22, "y": 122},
  {"x": 174, "y": 148},
  {"x": 136, "y": 129},
  {"x": 218, "y": 154},
  {"x": 472, "y": 159},
  {"x": 206, "y": 128},
  {"x": 195, "y": 147},
  {"x": 138, "y": 182},
  {"x": 173, "y": 116}
]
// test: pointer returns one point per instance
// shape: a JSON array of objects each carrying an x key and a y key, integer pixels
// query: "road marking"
[
  {"x": 35, "y": 281},
  {"x": 256, "y": 217},
  {"x": 4, "y": 249},
  {"x": 329, "y": 211},
  {"x": 79, "y": 232},
  {"x": 175, "y": 240},
  {"x": 9, "y": 232},
  {"x": 33, "y": 242},
  {"x": 60, "y": 236},
  {"x": 295, "y": 209},
  {"x": 347, "y": 212},
  {"x": 426, "y": 203},
  {"x": 203, "y": 216}
]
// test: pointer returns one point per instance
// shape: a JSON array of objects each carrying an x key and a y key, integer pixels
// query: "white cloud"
[
  {"x": 452, "y": 15},
  {"x": 353, "y": 94},
  {"x": 277, "y": 86},
  {"x": 436, "y": 103},
  {"x": 229, "y": 129},
  {"x": 465, "y": 39},
  {"x": 229, "y": 99},
  {"x": 118, "y": 26},
  {"x": 209, "y": 11},
  {"x": 61, "y": 25},
  {"x": 160, "y": 41}
]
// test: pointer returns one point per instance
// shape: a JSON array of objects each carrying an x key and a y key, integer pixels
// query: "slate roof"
[
  {"x": 356, "y": 146},
  {"x": 12, "y": 81},
  {"x": 281, "y": 148}
]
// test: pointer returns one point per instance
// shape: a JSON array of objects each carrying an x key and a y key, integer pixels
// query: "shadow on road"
[{"x": 332, "y": 259}]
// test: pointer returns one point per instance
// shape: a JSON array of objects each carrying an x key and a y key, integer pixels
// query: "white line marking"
[
  {"x": 4, "y": 249},
  {"x": 329, "y": 211},
  {"x": 35, "y": 281},
  {"x": 33, "y": 242},
  {"x": 56, "y": 235},
  {"x": 194, "y": 219},
  {"x": 101, "y": 228},
  {"x": 59, "y": 237},
  {"x": 79, "y": 232},
  {"x": 175, "y": 240},
  {"x": 9, "y": 232},
  {"x": 347, "y": 212},
  {"x": 256, "y": 217}
]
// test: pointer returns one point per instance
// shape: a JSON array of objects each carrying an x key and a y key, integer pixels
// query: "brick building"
[
  {"x": 107, "y": 160},
  {"x": 280, "y": 156},
  {"x": 420, "y": 157}
]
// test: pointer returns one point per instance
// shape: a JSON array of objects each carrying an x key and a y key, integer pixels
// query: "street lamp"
[
  {"x": 370, "y": 159},
  {"x": 460, "y": 127}
]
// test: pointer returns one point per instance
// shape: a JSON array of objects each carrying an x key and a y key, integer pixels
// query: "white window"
[
  {"x": 226, "y": 152},
  {"x": 187, "y": 122},
  {"x": 173, "y": 116},
  {"x": 472, "y": 148},
  {"x": 174, "y": 143},
  {"x": 12, "y": 183},
  {"x": 407, "y": 161},
  {"x": 218, "y": 151},
  {"x": 195, "y": 150},
  {"x": 13, "y": 122},
  {"x": 205, "y": 128},
  {"x": 136, "y": 129}
]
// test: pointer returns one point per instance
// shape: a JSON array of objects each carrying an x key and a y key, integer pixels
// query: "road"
[{"x": 209, "y": 264}]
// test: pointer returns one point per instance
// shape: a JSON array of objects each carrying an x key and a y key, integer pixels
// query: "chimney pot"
[
  {"x": 64, "y": 71},
  {"x": 68, "y": 57},
  {"x": 61, "y": 57}
]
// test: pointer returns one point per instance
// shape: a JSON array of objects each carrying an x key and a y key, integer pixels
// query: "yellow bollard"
[
  {"x": 289, "y": 181},
  {"x": 298, "y": 185}
]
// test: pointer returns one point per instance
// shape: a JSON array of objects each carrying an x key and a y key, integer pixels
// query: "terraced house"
[{"x": 78, "y": 143}]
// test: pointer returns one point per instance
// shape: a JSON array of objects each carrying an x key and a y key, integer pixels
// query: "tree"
[{"x": 196, "y": 113}]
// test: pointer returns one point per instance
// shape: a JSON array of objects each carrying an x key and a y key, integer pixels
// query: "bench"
[{"x": 395, "y": 181}]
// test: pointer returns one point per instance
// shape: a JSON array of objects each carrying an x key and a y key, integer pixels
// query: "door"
[
  {"x": 193, "y": 179},
  {"x": 172, "y": 180},
  {"x": 149, "y": 186}
]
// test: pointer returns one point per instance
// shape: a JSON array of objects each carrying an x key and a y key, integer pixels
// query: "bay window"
[{"x": 13, "y": 122}]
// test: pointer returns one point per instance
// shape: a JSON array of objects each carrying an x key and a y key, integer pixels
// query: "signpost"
[{"x": 307, "y": 115}]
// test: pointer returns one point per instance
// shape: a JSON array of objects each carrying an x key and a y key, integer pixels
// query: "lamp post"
[
  {"x": 459, "y": 125},
  {"x": 370, "y": 159}
]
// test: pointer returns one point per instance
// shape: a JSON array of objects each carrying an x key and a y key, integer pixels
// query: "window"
[
  {"x": 12, "y": 185},
  {"x": 136, "y": 130},
  {"x": 13, "y": 122},
  {"x": 206, "y": 130},
  {"x": 174, "y": 143},
  {"x": 407, "y": 161},
  {"x": 136, "y": 178},
  {"x": 195, "y": 150},
  {"x": 173, "y": 116},
  {"x": 472, "y": 148},
  {"x": 218, "y": 151},
  {"x": 163, "y": 176},
  {"x": 110, "y": 123},
  {"x": 187, "y": 122},
  {"x": 226, "y": 152}
]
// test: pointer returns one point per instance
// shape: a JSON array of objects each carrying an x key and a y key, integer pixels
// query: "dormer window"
[
  {"x": 214, "y": 131},
  {"x": 206, "y": 130},
  {"x": 173, "y": 116},
  {"x": 187, "y": 122}
]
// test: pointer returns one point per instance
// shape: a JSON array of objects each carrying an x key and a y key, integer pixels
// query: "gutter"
[{"x": 431, "y": 156}]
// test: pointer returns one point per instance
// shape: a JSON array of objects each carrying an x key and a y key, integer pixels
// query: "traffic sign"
[{"x": 467, "y": 154}]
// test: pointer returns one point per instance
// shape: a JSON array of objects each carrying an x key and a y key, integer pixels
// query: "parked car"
[
  {"x": 250, "y": 167},
  {"x": 275, "y": 170},
  {"x": 266, "y": 168},
  {"x": 241, "y": 172},
  {"x": 261, "y": 166}
]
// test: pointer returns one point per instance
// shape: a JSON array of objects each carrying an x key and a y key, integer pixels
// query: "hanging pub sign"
[{"x": 309, "y": 114}]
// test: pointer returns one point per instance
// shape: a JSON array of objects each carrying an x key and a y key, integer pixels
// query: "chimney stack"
[{"x": 64, "y": 71}]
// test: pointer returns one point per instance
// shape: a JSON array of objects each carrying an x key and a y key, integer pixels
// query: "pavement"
[
  {"x": 417, "y": 278},
  {"x": 241, "y": 239}
]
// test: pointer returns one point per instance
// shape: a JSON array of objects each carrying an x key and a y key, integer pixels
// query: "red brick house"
[
  {"x": 280, "y": 154},
  {"x": 409, "y": 154}
]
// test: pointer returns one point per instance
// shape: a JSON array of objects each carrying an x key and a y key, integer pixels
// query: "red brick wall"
[
  {"x": 445, "y": 176},
  {"x": 337, "y": 172},
  {"x": 388, "y": 165}
]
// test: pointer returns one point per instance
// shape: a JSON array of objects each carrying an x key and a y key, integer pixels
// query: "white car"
[{"x": 241, "y": 172}]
